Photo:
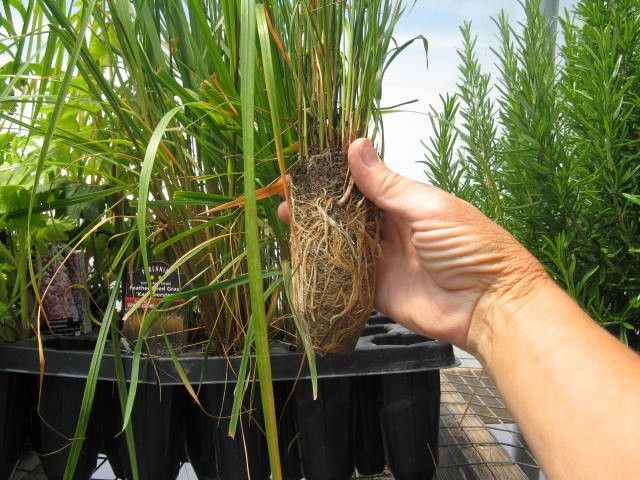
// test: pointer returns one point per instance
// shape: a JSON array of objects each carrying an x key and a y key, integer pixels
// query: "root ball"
[{"x": 334, "y": 248}]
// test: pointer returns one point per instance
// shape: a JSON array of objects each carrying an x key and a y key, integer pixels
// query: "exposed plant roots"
[{"x": 334, "y": 247}]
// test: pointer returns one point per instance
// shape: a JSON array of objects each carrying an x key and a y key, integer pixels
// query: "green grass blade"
[
  {"x": 133, "y": 382},
  {"x": 399, "y": 49},
  {"x": 184, "y": 378},
  {"x": 237, "y": 281},
  {"x": 92, "y": 380},
  {"x": 247, "y": 91},
  {"x": 238, "y": 391},
  {"x": 178, "y": 237},
  {"x": 301, "y": 328},
  {"x": 145, "y": 179},
  {"x": 270, "y": 82},
  {"x": 122, "y": 397}
]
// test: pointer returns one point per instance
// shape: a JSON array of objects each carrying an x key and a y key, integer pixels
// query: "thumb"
[{"x": 390, "y": 191}]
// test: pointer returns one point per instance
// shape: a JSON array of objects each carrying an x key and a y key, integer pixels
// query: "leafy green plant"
[
  {"x": 551, "y": 150},
  {"x": 20, "y": 235}
]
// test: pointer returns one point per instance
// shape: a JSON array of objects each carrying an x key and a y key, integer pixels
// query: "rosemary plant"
[{"x": 551, "y": 151}]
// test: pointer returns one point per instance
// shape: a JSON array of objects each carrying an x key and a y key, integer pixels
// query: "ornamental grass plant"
[
  {"x": 331, "y": 58},
  {"x": 550, "y": 150}
]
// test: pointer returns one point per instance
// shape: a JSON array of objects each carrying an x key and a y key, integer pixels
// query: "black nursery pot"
[
  {"x": 369, "y": 449},
  {"x": 55, "y": 425},
  {"x": 324, "y": 433},
  {"x": 409, "y": 406},
  {"x": 199, "y": 430},
  {"x": 283, "y": 392},
  {"x": 110, "y": 428},
  {"x": 245, "y": 456},
  {"x": 157, "y": 432},
  {"x": 385, "y": 393},
  {"x": 16, "y": 401}
]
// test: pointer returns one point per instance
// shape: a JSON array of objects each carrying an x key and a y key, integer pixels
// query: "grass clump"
[{"x": 331, "y": 57}]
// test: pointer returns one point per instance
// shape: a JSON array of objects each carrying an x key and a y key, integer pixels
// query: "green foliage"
[
  {"x": 443, "y": 168},
  {"x": 554, "y": 157},
  {"x": 24, "y": 238},
  {"x": 145, "y": 128},
  {"x": 330, "y": 62},
  {"x": 103, "y": 131},
  {"x": 254, "y": 262}
]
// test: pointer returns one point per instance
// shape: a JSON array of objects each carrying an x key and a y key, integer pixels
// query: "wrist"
[{"x": 503, "y": 303}]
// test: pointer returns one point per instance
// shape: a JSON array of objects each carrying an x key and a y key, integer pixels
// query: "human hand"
[
  {"x": 448, "y": 272},
  {"x": 444, "y": 265}
]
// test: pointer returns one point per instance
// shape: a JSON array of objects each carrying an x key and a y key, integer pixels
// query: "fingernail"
[{"x": 369, "y": 155}]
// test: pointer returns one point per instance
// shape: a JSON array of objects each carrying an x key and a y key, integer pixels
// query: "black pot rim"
[{"x": 396, "y": 351}]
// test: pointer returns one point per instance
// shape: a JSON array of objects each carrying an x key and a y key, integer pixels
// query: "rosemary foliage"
[{"x": 551, "y": 150}]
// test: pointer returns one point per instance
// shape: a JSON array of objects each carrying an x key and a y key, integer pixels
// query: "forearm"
[
  {"x": 573, "y": 389},
  {"x": 448, "y": 272}
]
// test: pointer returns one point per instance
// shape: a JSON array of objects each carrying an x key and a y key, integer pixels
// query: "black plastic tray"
[{"x": 384, "y": 347}]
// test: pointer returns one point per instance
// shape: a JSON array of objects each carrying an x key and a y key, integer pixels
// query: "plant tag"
[
  {"x": 64, "y": 296},
  {"x": 171, "y": 319}
]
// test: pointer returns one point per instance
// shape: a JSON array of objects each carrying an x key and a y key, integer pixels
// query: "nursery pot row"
[{"x": 360, "y": 421}]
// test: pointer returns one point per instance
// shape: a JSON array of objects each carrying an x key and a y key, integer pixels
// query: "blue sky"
[{"x": 409, "y": 78}]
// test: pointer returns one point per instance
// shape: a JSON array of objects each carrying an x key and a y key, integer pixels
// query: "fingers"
[
  {"x": 391, "y": 192},
  {"x": 283, "y": 213}
]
